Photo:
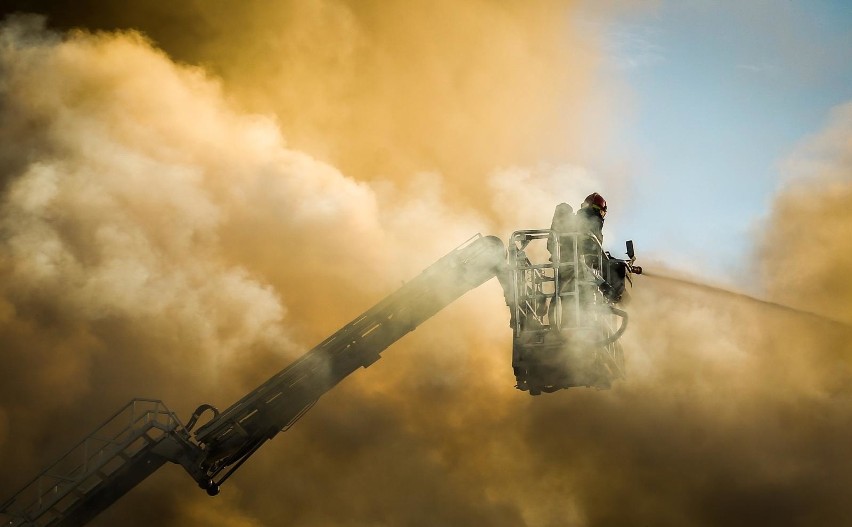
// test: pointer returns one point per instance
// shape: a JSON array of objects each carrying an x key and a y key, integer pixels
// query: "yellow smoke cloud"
[
  {"x": 807, "y": 260},
  {"x": 159, "y": 240},
  {"x": 383, "y": 89}
]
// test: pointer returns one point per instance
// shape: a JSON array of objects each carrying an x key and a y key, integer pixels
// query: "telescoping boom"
[{"x": 144, "y": 434}]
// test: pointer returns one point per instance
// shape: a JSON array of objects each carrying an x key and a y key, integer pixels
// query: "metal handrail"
[
  {"x": 521, "y": 263},
  {"x": 109, "y": 444}
]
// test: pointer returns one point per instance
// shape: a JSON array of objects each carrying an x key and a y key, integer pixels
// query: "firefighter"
[
  {"x": 562, "y": 223},
  {"x": 590, "y": 220},
  {"x": 590, "y": 217}
]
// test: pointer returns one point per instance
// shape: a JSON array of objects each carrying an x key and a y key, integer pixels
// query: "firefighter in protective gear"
[
  {"x": 563, "y": 222},
  {"x": 590, "y": 219}
]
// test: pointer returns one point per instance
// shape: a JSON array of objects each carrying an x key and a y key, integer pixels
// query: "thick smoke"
[
  {"x": 119, "y": 188},
  {"x": 807, "y": 261},
  {"x": 383, "y": 89},
  {"x": 159, "y": 241}
]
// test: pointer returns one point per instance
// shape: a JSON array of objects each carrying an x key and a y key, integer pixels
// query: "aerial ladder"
[
  {"x": 144, "y": 435},
  {"x": 565, "y": 334}
]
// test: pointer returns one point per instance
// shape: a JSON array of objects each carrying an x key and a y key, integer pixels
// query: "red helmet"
[{"x": 596, "y": 201}]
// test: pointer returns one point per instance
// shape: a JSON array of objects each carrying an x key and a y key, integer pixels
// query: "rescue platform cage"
[
  {"x": 87, "y": 465},
  {"x": 555, "y": 281}
]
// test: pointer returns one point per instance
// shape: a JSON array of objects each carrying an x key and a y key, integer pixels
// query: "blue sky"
[{"x": 721, "y": 94}]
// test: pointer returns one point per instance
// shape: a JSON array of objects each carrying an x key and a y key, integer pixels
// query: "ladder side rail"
[
  {"x": 271, "y": 418},
  {"x": 286, "y": 399},
  {"x": 306, "y": 362},
  {"x": 310, "y": 361},
  {"x": 138, "y": 424},
  {"x": 326, "y": 358},
  {"x": 414, "y": 303},
  {"x": 50, "y": 497},
  {"x": 366, "y": 350},
  {"x": 81, "y": 455},
  {"x": 246, "y": 404},
  {"x": 120, "y": 482}
]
